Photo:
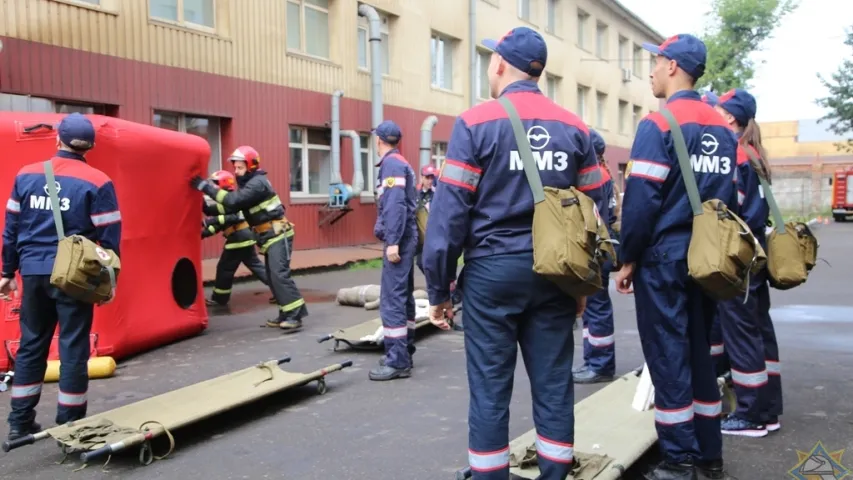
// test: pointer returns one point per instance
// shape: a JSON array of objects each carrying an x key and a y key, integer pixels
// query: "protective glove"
[
  {"x": 198, "y": 183},
  {"x": 206, "y": 232}
]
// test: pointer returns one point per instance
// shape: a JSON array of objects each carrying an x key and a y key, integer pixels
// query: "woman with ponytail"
[{"x": 747, "y": 329}]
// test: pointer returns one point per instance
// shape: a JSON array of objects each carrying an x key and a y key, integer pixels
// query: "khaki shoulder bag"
[
  {"x": 82, "y": 269},
  {"x": 723, "y": 252},
  {"x": 791, "y": 247},
  {"x": 570, "y": 241}
]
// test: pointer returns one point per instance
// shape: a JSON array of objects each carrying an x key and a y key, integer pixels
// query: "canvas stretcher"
[
  {"x": 138, "y": 423},
  {"x": 368, "y": 336}
]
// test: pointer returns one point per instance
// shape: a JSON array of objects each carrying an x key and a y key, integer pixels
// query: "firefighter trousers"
[
  {"x": 291, "y": 305},
  {"x": 397, "y": 306},
  {"x": 43, "y": 306},
  {"x": 674, "y": 318},
  {"x": 227, "y": 266},
  {"x": 599, "y": 350},
  {"x": 508, "y": 306}
]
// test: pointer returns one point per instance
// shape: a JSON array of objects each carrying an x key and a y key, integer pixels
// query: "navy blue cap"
[
  {"x": 523, "y": 48},
  {"x": 77, "y": 132},
  {"x": 597, "y": 142},
  {"x": 740, "y": 103},
  {"x": 710, "y": 98},
  {"x": 389, "y": 132},
  {"x": 688, "y": 52}
]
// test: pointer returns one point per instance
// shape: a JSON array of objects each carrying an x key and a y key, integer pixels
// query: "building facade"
[{"x": 262, "y": 72}]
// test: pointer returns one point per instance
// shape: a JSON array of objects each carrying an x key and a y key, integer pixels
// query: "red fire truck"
[{"x": 842, "y": 194}]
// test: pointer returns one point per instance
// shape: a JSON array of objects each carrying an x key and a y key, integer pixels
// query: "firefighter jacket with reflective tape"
[
  {"x": 397, "y": 198},
  {"x": 754, "y": 209},
  {"x": 233, "y": 226},
  {"x": 657, "y": 219},
  {"x": 258, "y": 202},
  {"x": 483, "y": 202},
  {"x": 87, "y": 202}
]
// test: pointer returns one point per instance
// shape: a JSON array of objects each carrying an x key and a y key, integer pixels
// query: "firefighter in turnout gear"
[
  {"x": 239, "y": 243},
  {"x": 264, "y": 212}
]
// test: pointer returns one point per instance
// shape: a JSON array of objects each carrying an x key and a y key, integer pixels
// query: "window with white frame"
[
  {"x": 208, "y": 128},
  {"x": 601, "y": 40},
  {"x": 442, "y": 48},
  {"x": 623, "y": 52},
  {"x": 583, "y": 20},
  {"x": 524, "y": 10},
  {"x": 366, "y": 149},
  {"x": 10, "y": 102},
  {"x": 310, "y": 160},
  {"x": 583, "y": 93},
  {"x": 554, "y": 12},
  {"x": 638, "y": 60},
  {"x": 600, "y": 110},
  {"x": 193, "y": 13},
  {"x": 84, "y": 108},
  {"x": 484, "y": 91},
  {"x": 623, "y": 116},
  {"x": 638, "y": 115},
  {"x": 552, "y": 87},
  {"x": 308, "y": 27},
  {"x": 364, "y": 44},
  {"x": 439, "y": 152}
]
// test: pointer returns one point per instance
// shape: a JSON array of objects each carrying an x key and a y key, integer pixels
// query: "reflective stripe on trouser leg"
[
  {"x": 287, "y": 295},
  {"x": 745, "y": 349},
  {"x": 660, "y": 294},
  {"x": 772, "y": 407},
  {"x": 394, "y": 298},
  {"x": 599, "y": 350},
  {"x": 718, "y": 350},
  {"x": 226, "y": 268},
  {"x": 75, "y": 327},
  {"x": 410, "y": 311}
]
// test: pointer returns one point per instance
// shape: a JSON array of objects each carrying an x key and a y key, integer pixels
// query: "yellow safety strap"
[
  {"x": 271, "y": 241},
  {"x": 269, "y": 204},
  {"x": 232, "y": 246},
  {"x": 292, "y": 305}
]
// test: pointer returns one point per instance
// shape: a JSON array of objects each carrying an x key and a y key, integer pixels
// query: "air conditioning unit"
[{"x": 626, "y": 75}]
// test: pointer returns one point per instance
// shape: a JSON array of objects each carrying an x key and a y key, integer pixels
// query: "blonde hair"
[{"x": 752, "y": 136}]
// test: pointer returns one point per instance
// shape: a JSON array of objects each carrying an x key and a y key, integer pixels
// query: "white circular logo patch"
[{"x": 102, "y": 254}]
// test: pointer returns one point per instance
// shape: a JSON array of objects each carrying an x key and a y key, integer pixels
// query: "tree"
[
  {"x": 839, "y": 101},
  {"x": 737, "y": 29}
]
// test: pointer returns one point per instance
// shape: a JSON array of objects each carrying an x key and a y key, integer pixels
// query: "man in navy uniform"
[
  {"x": 483, "y": 205},
  {"x": 397, "y": 229},
  {"x": 88, "y": 206}
]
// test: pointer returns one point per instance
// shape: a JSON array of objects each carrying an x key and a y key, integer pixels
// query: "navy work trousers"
[
  {"x": 599, "y": 348},
  {"x": 42, "y": 307},
  {"x": 507, "y": 305},
  {"x": 397, "y": 305},
  {"x": 674, "y": 319}
]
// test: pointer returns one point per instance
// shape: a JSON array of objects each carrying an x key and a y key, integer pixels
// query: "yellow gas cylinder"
[{"x": 99, "y": 367}]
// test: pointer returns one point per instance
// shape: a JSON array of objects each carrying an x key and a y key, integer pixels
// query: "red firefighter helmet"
[
  {"x": 247, "y": 154},
  {"x": 429, "y": 171},
  {"x": 225, "y": 180}
]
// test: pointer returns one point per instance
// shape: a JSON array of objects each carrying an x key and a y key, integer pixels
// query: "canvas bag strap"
[
  {"x": 54, "y": 199},
  {"x": 684, "y": 162},
  {"x": 524, "y": 151},
  {"x": 779, "y": 222}
]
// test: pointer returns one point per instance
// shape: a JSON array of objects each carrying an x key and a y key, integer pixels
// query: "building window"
[
  {"x": 366, "y": 164},
  {"x": 207, "y": 128},
  {"x": 554, "y": 11},
  {"x": 638, "y": 115},
  {"x": 638, "y": 60},
  {"x": 442, "y": 61},
  {"x": 483, "y": 90},
  {"x": 601, "y": 41},
  {"x": 600, "y": 110},
  {"x": 623, "y": 52},
  {"x": 310, "y": 160},
  {"x": 83, "y": 108},
  {"x": 583, "y": 93},
  {"x": 524, "y": 10},
  {"x": 364, "y": 44},
  {"x": 552, "y": 87},
  {"x": 195, "y": 13},
  {"x": 623, "y": 116},
  {"x": 439, "y": 150},
  {"x": 583, "y": 20},
  {"x": 308, "y": 27}
]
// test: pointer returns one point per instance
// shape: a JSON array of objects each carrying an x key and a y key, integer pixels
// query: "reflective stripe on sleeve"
[
  {"x": 718, "y": 349},
  {"x": 590, "y": 178},
  {"x": 557, "y": 452},
  {"x": 740, "y": 197},
  {"x": 24, "y": 391},
  {"x": 460, "y": 174},
  {"x": 488, "y": 461},
  {"x": 72, "y": 399},
  {"x": 673, "y": 416},
  {"x": 13, "y": 206},
  {"x": 396, "y": 332},
  {"x": 761, "y": 191},
  {"x": 106, "y": 218},
  {"x": 749, "y": 379},
  {"x": 708, "y": 409},
  {"x": 656, "y": 172},
  {"x": 773, "y": 367},
  {"x": 411, "y": 325}
]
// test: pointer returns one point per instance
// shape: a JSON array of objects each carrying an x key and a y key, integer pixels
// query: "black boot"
[
  {"x": 411, "y": 348},
  {"x": 672, "y": 471},
  {"x": 210, "y": 302},
  {"x": 712, "y": 469},
  {"x": 385, "y": 373},
  {"x": 17, "y": 432},
  {"x": 589, "y": 376},
  {"x": 291, "y": 322}
]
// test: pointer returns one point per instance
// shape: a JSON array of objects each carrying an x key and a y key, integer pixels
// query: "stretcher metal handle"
[
  {"x": 282, "y": 360},
  {"x": 87, "y": 457},
  {"x": 23, "y": 441},
  {"x": 325, "y": 338},
  {"x": 463, "y": 474}
]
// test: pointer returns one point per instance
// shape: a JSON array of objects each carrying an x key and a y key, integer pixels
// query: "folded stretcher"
[{"x": 138, "y": 423}]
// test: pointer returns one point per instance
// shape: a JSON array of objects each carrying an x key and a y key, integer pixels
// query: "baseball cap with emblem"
[
  {"x": 389, "y": 132},
  {"x": 740, "y": 104},
  {"x": 77, "y": 132},
  {"x": 523, "y": 48},
  {"x": 688, "y": 52}
]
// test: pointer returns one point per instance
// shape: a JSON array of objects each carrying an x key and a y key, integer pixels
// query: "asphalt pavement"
[{"x": 416, "y": 428}]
